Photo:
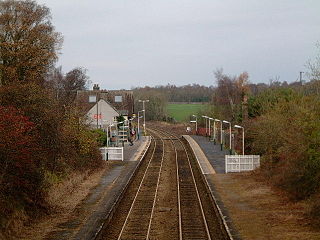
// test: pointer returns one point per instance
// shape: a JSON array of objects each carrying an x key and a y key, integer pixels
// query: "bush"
[
  {"x": 40, "y": 142},
  {"x": 101, "y": 137},
  {"x": 314, "y": 209},
  {"x": 21, "y": 178},
  {"x": 288, "y": 138},
  {"x": 80, "y": 148}
]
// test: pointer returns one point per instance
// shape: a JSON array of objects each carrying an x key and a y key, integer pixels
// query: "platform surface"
[
  {"x": 205, "y": 165},
  {"x": 132, "y": 153},
  {"x": 213, "y": 153}
]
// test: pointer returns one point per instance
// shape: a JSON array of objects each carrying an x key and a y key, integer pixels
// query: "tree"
[
  {"x": 28, "y": 42},
  {"x": 21, "y": 178},
  {"x": 66, "y": 86},
  {"x": 230, "y": 97},
  {"x": 156, "y": 107},
  {"x": 314, "y": 67}
]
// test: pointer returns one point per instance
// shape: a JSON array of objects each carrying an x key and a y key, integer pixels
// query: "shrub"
[
  {"x": 288, "y": 138},
  {"x": 20, "y": 156},
  {"x": 41, "y": 142}
]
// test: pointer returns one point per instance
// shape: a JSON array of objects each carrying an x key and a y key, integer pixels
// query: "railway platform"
[
  {"x": 212, "y": 152},
  {"x": 90, "y": 215}
]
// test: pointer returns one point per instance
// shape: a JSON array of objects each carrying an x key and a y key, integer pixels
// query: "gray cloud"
[{"x": 126, "y": 43}]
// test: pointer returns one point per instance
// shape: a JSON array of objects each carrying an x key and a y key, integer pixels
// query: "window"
[
  {"x": 118, "y": 98},
  {"x": 92, "y": 99}
]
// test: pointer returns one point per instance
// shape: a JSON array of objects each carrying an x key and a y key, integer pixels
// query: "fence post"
[
  {"x": 252, "y": 161},
  {"x": 226, "y": 163},
  {"x": 122, "y": 154}
]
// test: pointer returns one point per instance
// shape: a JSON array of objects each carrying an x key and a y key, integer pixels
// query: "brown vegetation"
[{"x": 43, "y": 139}]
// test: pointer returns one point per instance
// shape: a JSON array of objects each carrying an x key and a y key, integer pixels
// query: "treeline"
[
  {"x": 187, "y": 93},
  {"x": 281, "y": 124},
  {"x": 160, "y": 96},
  {"x": 42, "y": 136}
]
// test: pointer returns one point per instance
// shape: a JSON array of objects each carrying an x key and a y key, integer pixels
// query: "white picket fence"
[
  {"x": 114, "y": 153},
  {"x": 241, "y": 163}
]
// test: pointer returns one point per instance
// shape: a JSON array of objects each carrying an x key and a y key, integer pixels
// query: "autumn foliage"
[
  {"x": 28, "y": 42},
  {"x": 43, "y": 139},
  {"x": 20, "y": 173}
]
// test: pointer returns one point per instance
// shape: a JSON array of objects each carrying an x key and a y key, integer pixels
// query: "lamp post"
[
  {"x": 221, "y": 139},
  {"x": 214, "y": 130},
  {"x": 210, "y": 119},
  {"x": 237, "y": 126},
  {"x": 97, "y": 110},
  {"x": 193, "y": 121},
  {"x": 196, "y": 121},
  {"x": 144, "y": 114},
  {"x": 229, "y": 134},
  {"x": 139, "y": 123},
  {"x": 107, "y": 153},
  {"x": 205, "y": 117},
  {"x": 106, "y": 128}
]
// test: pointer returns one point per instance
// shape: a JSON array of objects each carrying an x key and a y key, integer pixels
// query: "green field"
[{"x": 181, "y": 112}]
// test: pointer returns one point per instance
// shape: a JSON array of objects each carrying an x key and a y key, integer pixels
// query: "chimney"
[{"x": 96, "y": 87}]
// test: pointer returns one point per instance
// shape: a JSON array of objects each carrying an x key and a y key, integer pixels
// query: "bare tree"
[
  {"x": 314, "y": 67},
  {"x": 230, "y": 96},
  {"x": 66, "y": 86}
]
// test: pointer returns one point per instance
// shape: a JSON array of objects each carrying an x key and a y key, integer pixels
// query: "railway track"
[{"x": 166, "y": 199}]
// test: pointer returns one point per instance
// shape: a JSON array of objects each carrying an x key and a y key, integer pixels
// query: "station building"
[{"x": 101, "y": 107}]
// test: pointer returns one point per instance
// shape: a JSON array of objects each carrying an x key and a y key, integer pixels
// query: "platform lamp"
[
  {"x": 109, "y": 126},
  {"x": 224, "y": 121},
  {"x": 206, "y": 117},
  {"x": 144, "y": 114},
  {"x": 139, "y": 123},
  {"x": 210, "y": 119},
  {"x": 196, "y": 121},
  {"x": 214, "y": 130},
  {"x": 221, "y": 139},
  {"x": 237, "y": 126}
]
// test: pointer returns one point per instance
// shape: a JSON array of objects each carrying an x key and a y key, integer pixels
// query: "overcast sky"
[{"x": 126, "y": 43}]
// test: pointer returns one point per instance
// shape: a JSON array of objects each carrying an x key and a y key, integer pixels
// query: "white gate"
[
  {"x": 112, "y": 153},
  {"x": 241, "y": 163}
]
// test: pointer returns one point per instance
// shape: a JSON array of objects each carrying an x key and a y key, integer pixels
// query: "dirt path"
[
  {"x": 260, "y": 212},
  {"x": 64, "y": 199}
]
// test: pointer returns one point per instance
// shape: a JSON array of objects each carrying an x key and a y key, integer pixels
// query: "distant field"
[{"x": 182, "y": 111}]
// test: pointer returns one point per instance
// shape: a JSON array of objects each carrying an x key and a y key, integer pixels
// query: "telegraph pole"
[{"x": 301, "y": 77}]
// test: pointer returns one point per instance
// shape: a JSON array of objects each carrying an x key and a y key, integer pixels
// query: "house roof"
[
  {"x": 125, "y": 107},
  {"x": 102, "y": 100}
]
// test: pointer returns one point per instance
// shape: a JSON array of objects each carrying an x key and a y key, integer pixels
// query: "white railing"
[
  {"x": 241, "y": 163},
  {"x": 112, "y": 153}
]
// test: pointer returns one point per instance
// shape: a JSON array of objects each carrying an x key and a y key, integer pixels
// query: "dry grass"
[
  {"x": 63, "y": 197},
  {"x": 260, "y": 212}
]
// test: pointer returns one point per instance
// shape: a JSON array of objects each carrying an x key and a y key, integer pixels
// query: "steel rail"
[
  {"x": 140, "y": 187},
  {"x": 198, "y": 195},
  {"x": 178, "y": 182},
  {"x": 156, "y": 193},
  {"x": 195, "y": 186}
]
